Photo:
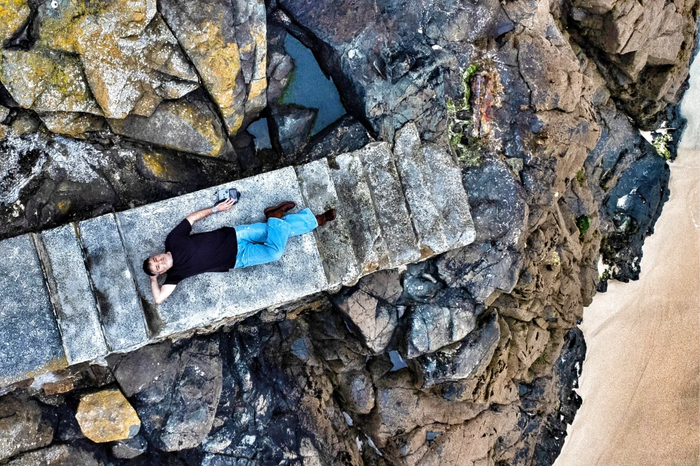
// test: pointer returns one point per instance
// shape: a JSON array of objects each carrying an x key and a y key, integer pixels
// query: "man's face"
[{"x": 160, "y": 263}]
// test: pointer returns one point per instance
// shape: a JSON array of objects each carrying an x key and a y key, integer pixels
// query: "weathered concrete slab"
[
  {"x": 426, "y": 218},
  {"x": 390, "y": 203},
  {"x": 29, "y": 340},
  {"x": 211, "y": 297},
  {"x": 333, "y": 240},
  {"x": 445, "y": 181},
  {"x": 120, "y": 309},
  {"x": 71, "y": 294},
  {"x": 356, "y": 204}
]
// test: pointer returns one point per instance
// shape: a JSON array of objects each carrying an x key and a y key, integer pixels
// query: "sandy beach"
[{"x": 641, "y": 378}]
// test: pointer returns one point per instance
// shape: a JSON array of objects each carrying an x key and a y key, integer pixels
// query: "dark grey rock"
[
  {"x": 58, "y": 455},
  {"x": 130, "y": 448},
  {"x": 209, "y": 298},
  {"x": 448, "y": 319},
  {"x": 420, "y": 282},
  {"x": 389, "y": 203},
  {"x": 23, "y": 426},
  {"x": 120, "y": 309},
  {"x": 481, "y": 269},
  {"x": 497, "y": 203},
  {"x": 464, "y": 360},
  {"x": 74, "y": 303},
  {"x": 333, "y": 239},
  {"x": 31, "y": 342},
  {"x": 345, "y": 135},
  {"x": 292, "y": 124},
  {"x": 356, "y": 203},
  {"x": 178, "y": 391}
]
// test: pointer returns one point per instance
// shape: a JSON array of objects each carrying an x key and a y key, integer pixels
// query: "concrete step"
[
  {"x": 389, "y": 203},
  {"x": 427, "y": 220},
  {"x": 30, "y": 343},
  {"x": 333, "y": 239},
  {"x": 212, "y": 298},
  {"x": 71, "y": 294},
  {"x": 356, "y": 205},
  {"x": 122, "y": 317},
  {"x": 444, "y": 179}
]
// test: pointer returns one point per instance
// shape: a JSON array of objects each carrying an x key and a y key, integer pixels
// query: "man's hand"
[
  {"x": 200, "y": 214},
  {"x": 160, "y": 294}
]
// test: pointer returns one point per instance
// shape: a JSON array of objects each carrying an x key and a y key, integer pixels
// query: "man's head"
[{"x": 158, "y": 264}]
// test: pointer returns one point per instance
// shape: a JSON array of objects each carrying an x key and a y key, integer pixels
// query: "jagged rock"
[
  {"x": 187, "y": 125},
  {"x": 371, "y": 308},
  {"x": 130, "y": 448},
  {"x": 14, "y": 13},
  {"x": 107, "y": 416},
  {"x": 345, "y": 135},
  {"x": 400, "y": 408},
  {"x": 293, "y": 125},
  {"x": 175, "y": 392},
  {"x": 47, "y": 81},
  {"x": 529, "y": 341},
  {"x": 72, "y": 123},
  {"x": 58, "y": 455},
  {"x": 420, "y": 281},
  {"x": 481, "y": 269},
  {"x": 478, "y": 441},
  {"x": 23, "y": 426},
  {"x": 496, "y": 200},
  {"x": 130, "y": 58},
  {"x": 466, "y": 359},
  {"x": 229, "y": 49},
  {"x": 448, "y": 319},
  {"x": 356, "y": 390}
]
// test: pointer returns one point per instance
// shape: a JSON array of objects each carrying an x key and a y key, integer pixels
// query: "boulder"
[
  {"x": 371, "y": 308},
  {"x": 130, "y": 58},
  {"x": 449, "y": 318},
  {"x": 175, "y": 390},
  {"x": 466, "y": 359},
  {"x": 106, "y": 416},
  {"x": 72, "y": 123},
  {"x": 23, "y": 426},
  {"x": 58, "y": 455},
  {"x": 293, "y": 126},
  {"x": 228, "y": 47},
  {"x": 47, "y": 81},
  {"x": 186, "y": 125},
  {"x": 130, "y": 448},
  {"x": 14, "y": 14}
]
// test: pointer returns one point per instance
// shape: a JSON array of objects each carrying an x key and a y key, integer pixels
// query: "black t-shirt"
[{"x": 213, "y": 251}]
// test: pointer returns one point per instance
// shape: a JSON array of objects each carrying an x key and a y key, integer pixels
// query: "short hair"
[{"x": 147, "y": 268}]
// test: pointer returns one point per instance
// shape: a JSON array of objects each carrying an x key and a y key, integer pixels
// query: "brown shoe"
[
  {"x": 327, "y": 216},
  {"x": 279, "y": 210}
]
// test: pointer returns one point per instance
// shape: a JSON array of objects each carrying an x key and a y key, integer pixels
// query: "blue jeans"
[{"x": 260, "y": 243}]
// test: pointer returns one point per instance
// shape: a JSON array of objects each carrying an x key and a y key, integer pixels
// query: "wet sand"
[{"x": 641, "y": 379}]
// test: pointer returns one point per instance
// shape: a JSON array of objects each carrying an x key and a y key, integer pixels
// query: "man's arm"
[
  {"x": 160, "y": 293},
  {"x": 204, "y": 213}
]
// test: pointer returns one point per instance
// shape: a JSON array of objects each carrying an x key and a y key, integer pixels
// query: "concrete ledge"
[
  {"x": 71, "y": 294},
  {"x": 29, "y": 340},
  {"x": 205, "y": 299},
  {"x": 121, "y": 314}
]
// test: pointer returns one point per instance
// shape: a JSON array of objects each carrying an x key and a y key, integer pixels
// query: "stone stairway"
[{"x": 77, "y": 293}]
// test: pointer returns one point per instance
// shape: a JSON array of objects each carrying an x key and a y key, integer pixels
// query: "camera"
[{"x": 232, "y": 193}]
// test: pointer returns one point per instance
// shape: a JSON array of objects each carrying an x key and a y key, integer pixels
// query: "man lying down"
[{"x": 219, "y": 250}]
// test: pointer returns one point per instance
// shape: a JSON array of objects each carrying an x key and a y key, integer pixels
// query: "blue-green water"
[{"x": 309, "y": 87}]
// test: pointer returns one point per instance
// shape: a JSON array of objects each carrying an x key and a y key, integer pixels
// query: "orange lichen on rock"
[
  {"x": 13, "y": 14},
  {"x": 107, "y": 416}
]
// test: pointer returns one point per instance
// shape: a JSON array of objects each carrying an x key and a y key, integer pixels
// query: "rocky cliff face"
[{"x": 467, "y": 358}]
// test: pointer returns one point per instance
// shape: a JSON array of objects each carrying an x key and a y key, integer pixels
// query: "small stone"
[
  {"x": 107, "y": 416},
  {"x": 55, "y": 388},
  {"x": 130, "y": 448}
]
